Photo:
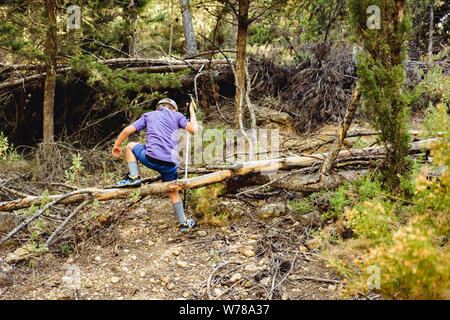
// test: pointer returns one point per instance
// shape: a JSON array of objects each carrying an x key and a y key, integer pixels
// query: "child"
[{"x": 160, "y": 150}]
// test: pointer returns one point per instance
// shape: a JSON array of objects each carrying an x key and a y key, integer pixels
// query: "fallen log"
[
  {"x": 132, "y": 64},
  {"x": 117, "y": 62},
  {"x": 224, "y": 172}
]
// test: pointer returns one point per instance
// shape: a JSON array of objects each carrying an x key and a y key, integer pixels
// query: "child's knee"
[{"x": 131, "y": 145}]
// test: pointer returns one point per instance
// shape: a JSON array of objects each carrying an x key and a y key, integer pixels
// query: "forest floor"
[{"x": 143, "y": 255}]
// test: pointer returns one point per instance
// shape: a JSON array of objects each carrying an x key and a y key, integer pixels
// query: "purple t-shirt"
[{"x": 162, "y": 133}]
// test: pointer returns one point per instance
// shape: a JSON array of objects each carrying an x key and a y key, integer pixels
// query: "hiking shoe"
[
  {"x": 187, "y": 225},
  {"x": 130, "y": 181}
]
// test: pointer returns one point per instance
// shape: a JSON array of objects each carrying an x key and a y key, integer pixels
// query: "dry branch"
[{"x": 337, "y": 144}]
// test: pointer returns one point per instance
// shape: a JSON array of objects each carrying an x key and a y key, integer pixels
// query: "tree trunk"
[
  {"x": 431, "y": 28},
  {"x": 133, "y": 19},
  {"x": 50, "y": 82},
  {"x": 188, "y": 28},
  {"x": 241, "y": 44}
]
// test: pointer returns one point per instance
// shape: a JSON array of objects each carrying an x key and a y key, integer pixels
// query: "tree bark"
[
  {"x": 50, "y": 82},
  {"x": 188, "y": 28},
  {"x": 241, "y": 43},
  {"x": 431, "y": 28},
  {"x": 133, "y": 20}
]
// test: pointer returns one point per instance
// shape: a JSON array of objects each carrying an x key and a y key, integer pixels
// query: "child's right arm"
[
  {"x": 192, "y": 125},
  {"x": 117, "y": 149}
]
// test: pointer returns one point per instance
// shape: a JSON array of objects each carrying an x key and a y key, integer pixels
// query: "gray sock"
[
  {"x": 133, "y": 167},
  {"x": 179, "y": 211}
]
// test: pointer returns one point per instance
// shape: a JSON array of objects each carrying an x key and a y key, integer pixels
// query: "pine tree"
[{"x": 382, "y": 28}]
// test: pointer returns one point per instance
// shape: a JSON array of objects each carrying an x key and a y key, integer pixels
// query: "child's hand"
[{"x": 117, "y": 151}]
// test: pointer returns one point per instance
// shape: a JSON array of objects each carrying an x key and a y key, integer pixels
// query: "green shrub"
[
  {"x": 205, "y": 201},
  {"x": 413, "y": 267},
  {"x": 372, "y": 220},
  {"x": 301, "y": 207}
]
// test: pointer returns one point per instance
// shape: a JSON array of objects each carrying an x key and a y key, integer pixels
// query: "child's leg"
[
  {"x": 131, "y": 159},
  {"x": 177, "y": 205},
  {"x": 132, "y": 179}
]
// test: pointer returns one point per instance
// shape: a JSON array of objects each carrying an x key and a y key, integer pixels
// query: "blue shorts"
[{"x": 167, "y": 173}]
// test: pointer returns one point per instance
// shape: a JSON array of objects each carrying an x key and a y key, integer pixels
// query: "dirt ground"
[{"x": 145, "y": 256}]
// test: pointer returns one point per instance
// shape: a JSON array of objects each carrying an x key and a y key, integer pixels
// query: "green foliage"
[
  {"x": 434, "y": 87},
  {"x": 381, "y": 78},
  {"x": 373, "y": 220},
  {"x": 76, "y": 168},
  {"x": 135, "y": 194},
  {"x": 7, "y": 151},
  {"x": 407, "y": 241},
  {"x": 301, "y": 207},
  {"x": 206, "y": 203},
  {"x": 320, "y": 20},
  {"x": 123, "y": 88},
  {"x": 338, "y": 201}
]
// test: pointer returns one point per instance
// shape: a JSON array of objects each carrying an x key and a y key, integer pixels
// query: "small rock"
[
  {"x": 8, "y": 221},
  {"x": 115, "y": 279},
  {"x": 142, "y": 274},
  {"x": 175, "y": 252},
  {"x": 170, "y": 286},
  {"x": 88, "y": 283},
  {"x": 18, "y": 255},
  {"x": 182, "y": 264},
  {"x": 150, "y": 243},
  {"x": 331, "y": 287},
  {"x": 5, "y": 274},
  {"x": 217, "y": 291},
  {"x": 251, "y": 267},
  {"x": 165, "y": 280},
  {"x": 97, "y": 258},
  {"x": 185, "y": 294},
  {"x": 272, "y": 210},
  {"x": 163, "y": 226},
  {"x": 303, "y": 249},
  {"x": 247, "y": 251},
  {"x": 138, "y": 241},
  {"x": 265, "y": 281},
  {"x": 236, "y": 277},
  {"x": 133, "y": 257},
  {"x": 311, "y": 218},
  {"x": 201, "y": 233}
]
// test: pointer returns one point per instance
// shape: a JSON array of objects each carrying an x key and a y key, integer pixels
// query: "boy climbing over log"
[{"x": 160, "y": 150}]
